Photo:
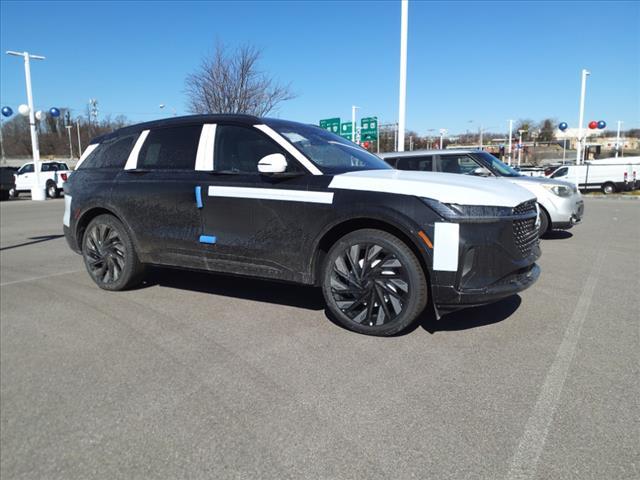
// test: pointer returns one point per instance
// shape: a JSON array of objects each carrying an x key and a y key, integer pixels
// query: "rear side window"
[
  {"x": 112, "y": 153},
  {"x": 457, "y": 164},
  {"x": 424, "y": 164},
  {"x": 239, "y": 149},
  {"x": 170, "y": 148}
]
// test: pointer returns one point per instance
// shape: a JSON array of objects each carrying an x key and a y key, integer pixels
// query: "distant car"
[
  {"x": 610, "y": 175},
  {"x": 53, "y": 176},
  {"x": 275, "y": 199},
  {"x": 561, "y": 205},
  {"x": 7, "y": 182}
]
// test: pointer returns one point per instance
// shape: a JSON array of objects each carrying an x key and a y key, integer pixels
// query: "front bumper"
[{"x": 565, "y": 212}]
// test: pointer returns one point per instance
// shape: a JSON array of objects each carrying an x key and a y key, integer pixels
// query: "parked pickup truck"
[{"x": 53, "y": 176}]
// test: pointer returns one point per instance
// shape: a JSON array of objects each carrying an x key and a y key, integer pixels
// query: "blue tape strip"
[
  {"x": 199, "y": 196},
  {"x": 207, "y": 239}
]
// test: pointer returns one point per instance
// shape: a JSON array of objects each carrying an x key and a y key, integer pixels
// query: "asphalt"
[{"x": 204, "y": 376}]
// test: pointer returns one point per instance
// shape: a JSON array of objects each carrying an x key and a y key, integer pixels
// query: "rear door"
[{"x": 156, "y": 194}]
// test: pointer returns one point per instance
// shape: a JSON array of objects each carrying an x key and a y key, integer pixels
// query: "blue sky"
[{"x": 484, "y": 62}]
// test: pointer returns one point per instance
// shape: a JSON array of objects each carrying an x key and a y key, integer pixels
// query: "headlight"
[
  {"x": 461, "y": 213},
  {"x": 560, "y": 190}
]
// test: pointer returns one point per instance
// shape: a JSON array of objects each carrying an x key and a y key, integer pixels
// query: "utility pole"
[
  {"x": 617, "y": 139},
  {"x": 583, "y": 90},
  {"x": 37, "y": 191},
  {"x": 69, "y": 127},
  {"x": 520, "y": 145},
  {"x": 4, "y": 160},
  {"x": 510, "y": 136},
  {"x": 404, "y": 20},
  {"x": 443, "y": 131},
  {"x": 480, "y": 136}
]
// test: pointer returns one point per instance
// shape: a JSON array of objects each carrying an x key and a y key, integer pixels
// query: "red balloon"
[{"x": 593, "y": 125}]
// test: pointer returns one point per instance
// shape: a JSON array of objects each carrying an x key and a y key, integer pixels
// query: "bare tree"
[{"x": 230, "y": 82}]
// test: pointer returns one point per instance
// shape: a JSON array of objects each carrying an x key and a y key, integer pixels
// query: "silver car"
[{"x": 561, "y": 204}]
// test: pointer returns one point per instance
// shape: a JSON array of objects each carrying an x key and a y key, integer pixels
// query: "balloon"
[
  {"x": 563, "y": 126},
  {"x": 593, "y": 125},
  {"x": 23, "y": 109},
  {"x": 54, "y": 112},
  {"x": 7, "y": 111},
  {"x": 602, "y": 124},
  {"x": 39, "y": 115}
]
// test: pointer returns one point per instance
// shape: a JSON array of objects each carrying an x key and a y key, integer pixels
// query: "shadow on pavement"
[
  {"x": 557, "y": 235},
  {"x": 471, "y": 317},
  {"x": 43, "y": 238},
  {"x": 237, "y": 287}
]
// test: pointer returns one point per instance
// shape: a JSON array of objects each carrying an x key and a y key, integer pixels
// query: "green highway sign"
[
  {"x": 346, "y": 131},
  {"x": 331, "y": 124},
  {"x": 369, "y": 128}
]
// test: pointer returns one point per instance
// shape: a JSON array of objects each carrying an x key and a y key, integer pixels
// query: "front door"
[
  {"x": 25, "y": 177},
  {"x": 255, "y": 223}
]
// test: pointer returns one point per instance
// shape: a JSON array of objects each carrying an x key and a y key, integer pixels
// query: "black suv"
[{"x": 282, "y": 200}]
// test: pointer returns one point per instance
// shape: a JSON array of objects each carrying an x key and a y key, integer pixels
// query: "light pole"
[
  {"x": 510, "y": 136},
  {"x": 403, "y": 73},
  {"x": 583, "y": 90},
  {"x": 618, "y": 138},
  {"x": 353, "y": 123},
  {"x": 173, "y": 110},
  {"x": 69, "y": 127},
  {"x": 79, "y": 143},
  {"x": 521, "y": 131},
  {"x": 37, "y": 190},
  {"x": 443, "y": 131}
]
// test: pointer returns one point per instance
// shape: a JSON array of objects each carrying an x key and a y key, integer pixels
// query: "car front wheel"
[
  {"x": 109, "y": 254},
  {"x": 373, "y": 283}
]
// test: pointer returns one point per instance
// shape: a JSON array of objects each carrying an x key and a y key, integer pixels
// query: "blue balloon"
[
  {"x": 7, "y": 112},
  {"x": 563, "y": 126},
  {"x": 54, "y": 112},
  {"x": 602, "y": 124}
]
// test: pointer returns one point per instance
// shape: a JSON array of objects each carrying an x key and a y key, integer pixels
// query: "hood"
[
  {"x": 444, "y": 187},
  {"x": 525, "y": 181}
]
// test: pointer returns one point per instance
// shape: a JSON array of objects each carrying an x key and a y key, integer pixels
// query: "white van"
[{"x": 609, "y": 174}]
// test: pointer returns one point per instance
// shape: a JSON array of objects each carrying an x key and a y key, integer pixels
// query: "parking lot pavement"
[{"x": 205, "y": 376}]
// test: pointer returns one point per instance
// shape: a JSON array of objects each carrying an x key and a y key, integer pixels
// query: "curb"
[{"x": 613, "y": 197}]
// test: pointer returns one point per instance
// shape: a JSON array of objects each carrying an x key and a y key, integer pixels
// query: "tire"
[
  {"x": 13, "y": 193},
  {"x": 544, "y": 222},
  {"x": 52, "y": 190},
  {"x": 608, "y": 188},
  {"x": 372, "y": 301},
  {"x": 109, "y": 254}
]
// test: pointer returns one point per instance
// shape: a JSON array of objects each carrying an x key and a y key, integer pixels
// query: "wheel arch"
[
  {"x": 336, "y": 231},
  {"x": 546, "y": 212},
  {"x": 85, "y": 218}
]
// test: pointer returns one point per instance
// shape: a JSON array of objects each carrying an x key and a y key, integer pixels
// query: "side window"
[
  {"x": 561, "y": 172},
  {"x": 170, "y": 148},
  {"x": 424, "y": 164},
  {"x": 392, "y": 161},
  {"x": 110, "y": 154},
  {"x": 48, "y": 167},
  {"x": 26, "y": 169},
  {"x": 239, "y": 149},
  {"x": 457, "y": 164}
]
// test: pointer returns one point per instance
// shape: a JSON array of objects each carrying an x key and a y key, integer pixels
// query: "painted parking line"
[
  {"x": 525, "y": 460},
  {"x": 32, "y": 279}
]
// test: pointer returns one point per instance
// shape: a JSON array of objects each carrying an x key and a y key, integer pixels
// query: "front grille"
[{"x": 525, "y": 232}]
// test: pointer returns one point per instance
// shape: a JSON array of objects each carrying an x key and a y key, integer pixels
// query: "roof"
[
  {"x": 418, "y": 153},
  {"x": 184, "y": 120}
]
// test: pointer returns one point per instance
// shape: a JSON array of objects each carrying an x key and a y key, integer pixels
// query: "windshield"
[
  {"x": 496, "y": 166},
  {"x": 329, "y": 152}
]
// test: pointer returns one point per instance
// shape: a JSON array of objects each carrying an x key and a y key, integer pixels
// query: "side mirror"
[
  {"x": 481, "y": 172},
  {"x": 274, "y": 163}
]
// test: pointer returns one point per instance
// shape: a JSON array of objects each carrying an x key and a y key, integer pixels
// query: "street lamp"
[
  {"x": 402, "y": 107},
  {"x": 510, "y": 136},
  {"x": 353, "y": 123},
  {"x": 37, "y": 190},
  {"x": 69, "y": 127},
  {"x": 443, "y": 132},
  {"x": 618, "y": 138},
  {"x": 583, "y": 90},
  {"x": 521, "y": 131},
  {"x": 173, "y": 110}
]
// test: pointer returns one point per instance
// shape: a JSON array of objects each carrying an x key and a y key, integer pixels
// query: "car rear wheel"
[
  {"x": 109, "y": 254},
  {"x": 608, "y": 188},
  {"x": 544, "y": 222},
  {"x": 373, "y": 283},
  {"x": 52, "y": 190}
]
